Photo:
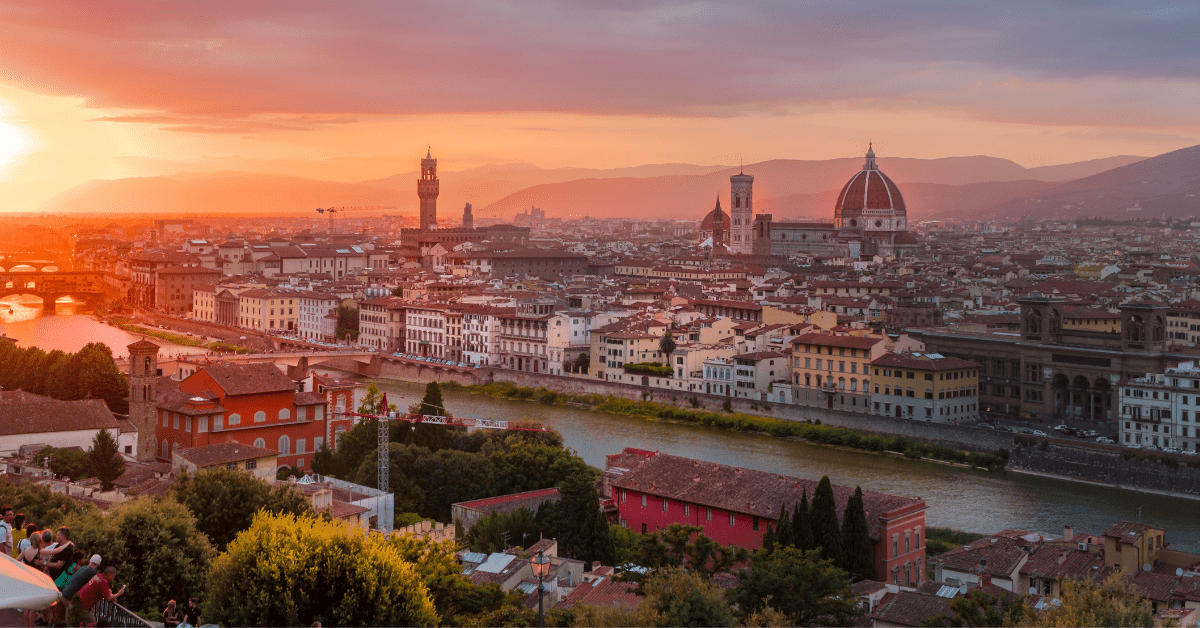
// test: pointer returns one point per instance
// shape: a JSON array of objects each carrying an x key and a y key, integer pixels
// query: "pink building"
[{"x": 648, "y": 491}]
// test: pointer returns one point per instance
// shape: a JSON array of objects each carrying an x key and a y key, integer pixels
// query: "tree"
[
  {"x": 585, "y": 536},
  {"x": 1113, "y": 602},
  {"x": 979, "y": 608},
  {"x": 583, "y": 362},
  {"x": 498, "y": 530},
  {"x": 858, "y": 553},
  {"x": 827, "y": 534},
  {"x": 105, "y": 459},
  {"x": 666, "y": 345},
  {"x": 680, "y": 598},
  {"x": 457, "y": 600},
  {"x": 398, "y": 291},
  {"x": 372, "y": 401},
  {"x": 67, "y": 462},
  {"x": 155, "y": 546},
  {"x": 434, "y": 437},
  {"x": 807, "y": 589},
  {"x": 291, "y": 571},
  {"x": 347, "y": 322},
  {"x": 224, "y": 501},
  {"x": 432, "y": 403},
  {"x": 802, "y": 533},
  {"x": 784, "y": 535}
]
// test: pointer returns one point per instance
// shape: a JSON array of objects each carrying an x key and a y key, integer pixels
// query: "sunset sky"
[{"x": 355, "y": 90}]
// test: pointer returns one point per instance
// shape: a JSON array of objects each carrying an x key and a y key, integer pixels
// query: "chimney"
[
  {"x": 984, "y": 580},
  {"x": 1068, "y": 532}
]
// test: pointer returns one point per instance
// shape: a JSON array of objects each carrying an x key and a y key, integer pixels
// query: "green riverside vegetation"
[
  {"x": 179, "y": 339},
  {"x": 812, "y": 432}
]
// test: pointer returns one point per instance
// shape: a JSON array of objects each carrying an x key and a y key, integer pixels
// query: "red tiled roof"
[
  {"x": 739, "y": 490},
  {"x": 489, "y": 502},
  {"x": 603, "y": 592}
]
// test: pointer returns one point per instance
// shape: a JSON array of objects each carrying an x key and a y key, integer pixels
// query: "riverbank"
[
  {"x": 188, "y": 341},
  {"x": 812, "y": 432}
]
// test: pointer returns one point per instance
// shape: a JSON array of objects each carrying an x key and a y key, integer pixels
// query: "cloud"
[{"x": 221, "y": 66}]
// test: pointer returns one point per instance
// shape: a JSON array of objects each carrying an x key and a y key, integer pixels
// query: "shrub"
[
  {"x": 727, "y": 406},
  {"x": 653, "y": 369},
  {"x": 289, "y": 571},
  {"x": 155, "y": 546}
]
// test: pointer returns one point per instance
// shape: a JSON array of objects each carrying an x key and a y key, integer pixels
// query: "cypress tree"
[
  {"x": 826, "y": 532},
  {"x": 802, "y": 534},
  {"x": 784, "y": 535},
  {"x": 858, "y": 554},
  {"x": 769, "y": 538}
]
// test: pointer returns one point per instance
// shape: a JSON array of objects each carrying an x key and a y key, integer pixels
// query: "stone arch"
[
  {"x": 1157, "y": 332},
  {"x": 1135, "y": 328},
  {"x": 1033, "y": 322}
]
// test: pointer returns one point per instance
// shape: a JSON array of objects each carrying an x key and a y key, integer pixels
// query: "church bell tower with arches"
[{"x": 741, "y": 214}]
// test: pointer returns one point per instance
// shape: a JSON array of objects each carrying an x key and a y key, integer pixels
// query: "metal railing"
[{"x": 118, "y": 615}]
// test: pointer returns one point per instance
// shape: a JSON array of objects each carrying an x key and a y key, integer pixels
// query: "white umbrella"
[{"x": 22, "y": 586}]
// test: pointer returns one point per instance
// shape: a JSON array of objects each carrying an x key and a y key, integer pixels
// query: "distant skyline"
[{"x": 357, "y": 90}]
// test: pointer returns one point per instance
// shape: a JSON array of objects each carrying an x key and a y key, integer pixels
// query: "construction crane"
[
  {"x": 386, "y": 418},
  {"x": 330, "y": 211}
]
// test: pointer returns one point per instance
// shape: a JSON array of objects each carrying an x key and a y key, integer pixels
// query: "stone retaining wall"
[
  {"x": 1107, "y": 465},
  {"x": 958, "y": 436}
]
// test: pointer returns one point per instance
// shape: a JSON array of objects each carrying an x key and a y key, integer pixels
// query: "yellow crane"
[{"x": 330, "y": 211}]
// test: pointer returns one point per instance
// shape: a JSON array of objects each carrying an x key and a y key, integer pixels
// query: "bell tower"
[
  {"x": 427, "y": 190},
  {"x": 741, "y": 214},
  {"x": 143, "y": 396}
]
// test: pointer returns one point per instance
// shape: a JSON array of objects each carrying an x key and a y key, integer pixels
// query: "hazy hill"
[
  {"x": 1166, "y": 185},
  {"x": 785, "y": 187},
  {"x": 789, "y": 187},
  {"x": 924, "y": 200}
]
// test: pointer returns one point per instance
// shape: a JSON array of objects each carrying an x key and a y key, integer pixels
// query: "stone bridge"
[{"x": 85, "y": 286}]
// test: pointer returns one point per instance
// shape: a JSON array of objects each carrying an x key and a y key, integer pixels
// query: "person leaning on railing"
[
  {"x": 100, "y": 588},
  {"x": 81, "y": 577}
]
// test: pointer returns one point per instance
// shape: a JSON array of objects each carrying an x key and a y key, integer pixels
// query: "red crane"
[{"x": 349, "y": 208}]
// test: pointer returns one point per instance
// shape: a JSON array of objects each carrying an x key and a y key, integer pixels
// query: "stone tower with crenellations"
[
  {"x": 143, "y": 396},
  {"x": 427, "y": 190},
  {"x": 741, "y": 214},
  {"x": 468, "y": 221}
]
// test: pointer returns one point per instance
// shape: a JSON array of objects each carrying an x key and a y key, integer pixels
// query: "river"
[
  {"x": 70, "y": 329},
  {"x": 963, "y": 499}
]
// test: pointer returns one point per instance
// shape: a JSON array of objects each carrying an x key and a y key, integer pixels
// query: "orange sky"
[{"x": 354, "y": 91}]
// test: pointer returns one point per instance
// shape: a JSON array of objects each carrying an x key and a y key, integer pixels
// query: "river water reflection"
[
  {"x": 963, "y": 499},
  {"x": 69, "y": 330}
]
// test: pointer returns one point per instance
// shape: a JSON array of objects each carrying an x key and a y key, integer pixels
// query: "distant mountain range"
[
  {"x": 1164, "y": 186},
  {"x": 952, "y": 187}
]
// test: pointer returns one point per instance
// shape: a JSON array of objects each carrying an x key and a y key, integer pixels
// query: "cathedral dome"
[
  {"x": 716, "y": 217},
  {"x": 870, "y": 191}
]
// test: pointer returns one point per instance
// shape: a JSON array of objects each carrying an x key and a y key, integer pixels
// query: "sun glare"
[{"x": 13, "y": 142}]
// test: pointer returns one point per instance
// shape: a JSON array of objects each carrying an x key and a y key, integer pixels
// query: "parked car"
[
  {"x": 1105, "y": 440},
  {"x": 1038, "y": 433},
  {"x": 1061, "y": 428},
  {"x": 1170, "y": 450},
  {"x": 1151, "y": 448},
  {"x": 1091, "y": 433},
  {"x": 1190, "y": 452},
  {"x": 987, "y": 426},
  {"x": 1134, "y": 446}
]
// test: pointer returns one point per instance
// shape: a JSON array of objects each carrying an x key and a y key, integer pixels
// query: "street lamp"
[{"x": 541, "y": 569}]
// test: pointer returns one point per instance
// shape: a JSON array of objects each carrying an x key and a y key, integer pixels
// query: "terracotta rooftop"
[
  {"x": 249, "y": 379},
  {"x": 738, "y": 489},
  {"x": 223, "y": 453}
]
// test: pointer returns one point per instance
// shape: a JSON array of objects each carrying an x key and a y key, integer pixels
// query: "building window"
[
  {"x": 260, "y": 443},
  {"x": 643, "y": 501},
  {"x": 285, "y": 445},
  {"x": 895, "y": 546},
  {"x": 251, "y": 465},
  {"x": 643, "y": 528},
  {"x": 708, "y": 514},
  {"x": 664, "y": 504},
  {"x": 260, "y": 416},
  {"x": 732, "y": 519},
  {"x": 687, "y": 510},
  {"x": 754, "y": 524},
  {"x": 284, "y": 414}
]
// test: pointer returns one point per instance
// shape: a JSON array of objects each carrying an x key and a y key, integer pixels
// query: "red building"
[
  {"x": 251, "y": 404},
  {"x": 649, "y": 491}
]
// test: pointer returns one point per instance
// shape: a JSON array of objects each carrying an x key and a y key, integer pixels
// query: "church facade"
[{"x": 870, "y": 218}]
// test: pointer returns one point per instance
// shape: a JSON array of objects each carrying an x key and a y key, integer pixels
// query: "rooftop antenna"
[{"x": 1139, "y": 514}]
